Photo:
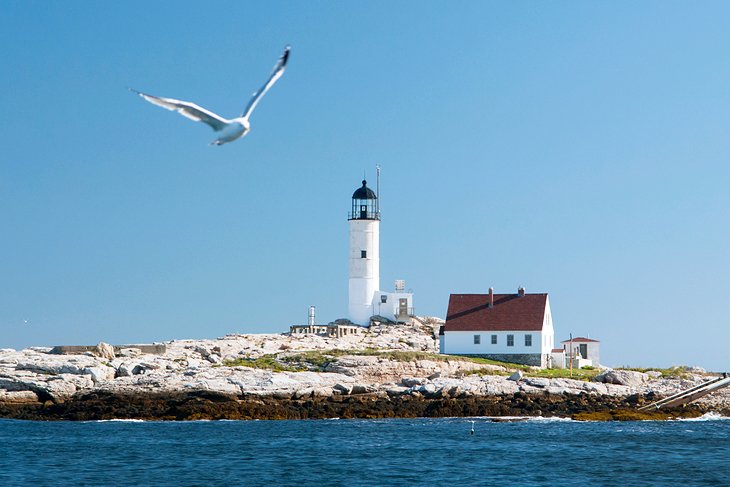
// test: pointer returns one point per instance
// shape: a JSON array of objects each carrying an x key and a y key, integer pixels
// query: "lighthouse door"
[{"x": 363, "y": 212}]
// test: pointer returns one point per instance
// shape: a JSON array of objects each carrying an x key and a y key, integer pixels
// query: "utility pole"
[{"x": 571, "y": 355}]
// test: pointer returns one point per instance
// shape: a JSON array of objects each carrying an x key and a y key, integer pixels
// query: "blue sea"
[{"x": 365, "y": 452}]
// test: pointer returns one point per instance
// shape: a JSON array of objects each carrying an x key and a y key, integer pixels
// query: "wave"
[{"x": 711, "y": 416}]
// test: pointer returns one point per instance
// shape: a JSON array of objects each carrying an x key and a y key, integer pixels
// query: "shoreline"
[
  {"x": 385, "y": 371},
  {"x": 210, "y": 405}
]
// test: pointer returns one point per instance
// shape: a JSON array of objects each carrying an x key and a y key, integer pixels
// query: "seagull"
[{"x": 232, "y": 129}]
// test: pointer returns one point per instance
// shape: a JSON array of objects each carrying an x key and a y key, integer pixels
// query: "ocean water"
[{"x": 365, "y": 452}]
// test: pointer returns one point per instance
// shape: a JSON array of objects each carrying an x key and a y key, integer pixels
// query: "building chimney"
[
  {"x": 491, "y": 297},
  {"x": 521, "y": 291},
  {"x": 311, "y": 320}
]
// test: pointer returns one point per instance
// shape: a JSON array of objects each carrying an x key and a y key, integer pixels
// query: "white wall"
[
  {"x": 364, "y": 273},
  {"x": 462, "y": 342},
  {"x": 389, "y": 309},
  {"x": 593, "y": 350}
]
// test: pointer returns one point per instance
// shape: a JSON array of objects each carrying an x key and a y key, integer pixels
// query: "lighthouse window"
[
  {"x": 383, "y": 298},
  {"x": 364, "y": 254}
]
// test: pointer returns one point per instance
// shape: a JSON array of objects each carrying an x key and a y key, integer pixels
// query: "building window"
[
  {"x": 477, "y": 339},
  {"x": 383, "y": 298},
  {"x": 364, "y": 254},
  {"x": 510, "y": 340},
  {"x": 494, "y": 339},
  {"x": 528, "y": 340}
]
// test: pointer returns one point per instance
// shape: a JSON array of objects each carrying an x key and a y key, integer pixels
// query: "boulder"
[
  {"x": 104, "y": 350},
  {"x": 100, "y": 374},
  {"x": 538, "y": 381},
  {"x": 344, "y": 389},
  {"x": 516, "y": 376},
  {"x": 629, "y": 378}
]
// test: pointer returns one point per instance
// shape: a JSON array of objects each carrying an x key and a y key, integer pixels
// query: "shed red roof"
[
  {"x": 580, "y": 339},
  {"x": 557, "y": 350},
  {"x": 511, "y": 312}
]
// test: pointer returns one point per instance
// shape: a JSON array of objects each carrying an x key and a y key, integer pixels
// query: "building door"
[
  {"x": 583, "y": 350},
  {"x": 402, "y": 307}
]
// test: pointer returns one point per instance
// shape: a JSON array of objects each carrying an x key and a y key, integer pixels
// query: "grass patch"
[
  {"x": 267, "y": 362},
  {"x": 578, "y": 374}
]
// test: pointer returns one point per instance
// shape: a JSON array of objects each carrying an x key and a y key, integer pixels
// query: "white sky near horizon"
[{"x": 575, "y": 148}]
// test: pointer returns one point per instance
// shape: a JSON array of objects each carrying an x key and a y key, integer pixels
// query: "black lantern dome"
[{"x": 364, "y": 204}]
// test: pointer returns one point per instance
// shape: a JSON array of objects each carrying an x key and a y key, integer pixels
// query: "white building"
[
  {"x": 514, "y": 328},
  {"x": 584, "y": 351},
  {"x": 365, "y": 297}
]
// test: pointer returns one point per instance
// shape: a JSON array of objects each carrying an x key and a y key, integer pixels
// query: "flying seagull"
[{"x": 232, "y": 129}]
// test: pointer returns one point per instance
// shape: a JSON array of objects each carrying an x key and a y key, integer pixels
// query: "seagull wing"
[
  {"x": 275, "y": 75},
  {"x": 187, "y": 110}
]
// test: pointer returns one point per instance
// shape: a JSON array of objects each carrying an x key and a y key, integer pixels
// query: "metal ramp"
[{"x": 689, "y": 395}]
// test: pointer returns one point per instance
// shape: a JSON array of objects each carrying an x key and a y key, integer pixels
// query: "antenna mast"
[{"x": 377, "y": 187}]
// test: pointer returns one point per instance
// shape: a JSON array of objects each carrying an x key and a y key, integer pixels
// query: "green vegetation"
[
  {"x": 267, "y": 362},
  {"x": 578, "y": 374},
  {"x": 318, "y": 360}
]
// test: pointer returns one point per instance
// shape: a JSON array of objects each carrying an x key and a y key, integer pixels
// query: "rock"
[
  {"x": 303, "y": 393},
  {"x": 130, "y": 352},
  {"x": 104, "y": 350},
  {"x": 654, "y": 374},
  {"x": 516, "y": 376},
  {"x": 622, "y": 377},
  {"x": 412, "y": 381},
  {"x": 100, "y": 374},
  {"x": 125, "y": 370},
  {"x": 396, "y": 390},
  {"x": 204, "y": 352},
  {"x": 213, "y": 358},
  {"x": 537, "y": 381},
  {"x": 362, "y": 389},
  {"x": 343, "y": 389},
  {"x": 18, "y": 397},
  {"x": 139, "y": 369}
]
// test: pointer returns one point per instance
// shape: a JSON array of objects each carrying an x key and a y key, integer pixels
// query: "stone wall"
[
  {"x": 155, "y": 349},
  {"x": 534, "y": 359}
]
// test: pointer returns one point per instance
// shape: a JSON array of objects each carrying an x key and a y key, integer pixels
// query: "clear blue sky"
[{"x": 576, "y": 148}]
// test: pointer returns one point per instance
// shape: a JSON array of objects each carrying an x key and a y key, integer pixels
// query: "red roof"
[
  {"x": 511, "y": 312},
  {"x": 580, "y": 339}
]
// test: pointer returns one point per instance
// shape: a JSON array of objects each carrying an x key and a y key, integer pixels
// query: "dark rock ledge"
[{"x": 99, "y": 405}]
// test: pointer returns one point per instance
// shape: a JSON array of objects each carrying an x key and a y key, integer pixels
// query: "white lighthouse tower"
[{"x": 364, "y": 274}]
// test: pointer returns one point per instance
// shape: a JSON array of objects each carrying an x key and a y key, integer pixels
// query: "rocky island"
[{"x": 387, "y": 370}]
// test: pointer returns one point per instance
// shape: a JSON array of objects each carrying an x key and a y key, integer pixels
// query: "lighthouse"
[
  {"x": 366, "y": 299},
  {"x": 364, "y": 268}
]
